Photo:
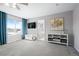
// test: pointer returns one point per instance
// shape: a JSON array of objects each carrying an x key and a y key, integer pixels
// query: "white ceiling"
[{"x": 38, "y": 9}]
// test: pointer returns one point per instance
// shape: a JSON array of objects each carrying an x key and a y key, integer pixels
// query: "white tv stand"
[{"x": 58, "y": 38}]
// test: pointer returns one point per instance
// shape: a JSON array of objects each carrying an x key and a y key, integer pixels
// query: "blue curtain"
[
  {"x": 2, "y": 28},
  {"x": 24, "y": 28}
]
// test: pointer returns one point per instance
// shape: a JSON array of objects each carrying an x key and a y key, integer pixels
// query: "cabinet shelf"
[
  {"x": 57, "y": 42},
  {"x": 58, "y": 38}
]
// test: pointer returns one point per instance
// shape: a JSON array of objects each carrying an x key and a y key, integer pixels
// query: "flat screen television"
[{"x": 31, "y": 25}]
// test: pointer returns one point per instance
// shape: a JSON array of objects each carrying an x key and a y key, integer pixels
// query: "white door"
[{"x": 41, "y": 29}]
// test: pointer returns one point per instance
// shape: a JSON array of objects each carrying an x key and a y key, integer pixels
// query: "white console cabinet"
[{"x": 58, "y": 38}]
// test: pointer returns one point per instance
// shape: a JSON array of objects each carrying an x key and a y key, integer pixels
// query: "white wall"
[
  {"x": 38, "y": 32},
  {"x": 68, "y": 24},
  {"x": 32, "y": 31},
  {"x": 76, "y": 27}
]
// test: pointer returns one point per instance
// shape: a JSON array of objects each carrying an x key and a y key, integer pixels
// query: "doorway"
[{"x": 41, "y": 29}]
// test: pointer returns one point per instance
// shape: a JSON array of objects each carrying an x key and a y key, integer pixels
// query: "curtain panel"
[{"x": 2, "y": 28}]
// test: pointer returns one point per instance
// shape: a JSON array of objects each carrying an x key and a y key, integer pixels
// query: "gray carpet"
[{"x": 35, "y": 48}]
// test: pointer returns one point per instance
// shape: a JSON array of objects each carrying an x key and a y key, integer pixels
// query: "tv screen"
[{"x": 32, "y": 25}]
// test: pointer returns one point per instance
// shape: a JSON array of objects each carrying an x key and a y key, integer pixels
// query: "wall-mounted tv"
[{"x": 31, "y": 25}]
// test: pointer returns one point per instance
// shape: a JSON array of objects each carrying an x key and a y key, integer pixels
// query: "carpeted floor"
[{"x": 35, "y": 48}]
